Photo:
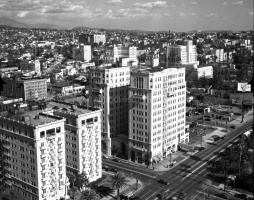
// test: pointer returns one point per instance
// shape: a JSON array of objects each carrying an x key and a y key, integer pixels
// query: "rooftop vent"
[{"x": 37, "y": 117}]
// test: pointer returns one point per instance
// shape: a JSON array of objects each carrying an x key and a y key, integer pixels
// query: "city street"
[{"x": 188, "y": 175}]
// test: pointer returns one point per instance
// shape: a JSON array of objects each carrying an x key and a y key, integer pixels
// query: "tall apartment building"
[
  {"x": 117, "y": 52},
  {"x": 34, "y": 155},
  {"x": 185, "y": 54},
  {"x": 82, "y": 138},
  {"x": 157, "y": 99},
  {"x": 109, "y": 91},
  {"x": 26, "y": 88},
  {"x": 87, "y": 53},
  {"x": 92, "y": 38}
]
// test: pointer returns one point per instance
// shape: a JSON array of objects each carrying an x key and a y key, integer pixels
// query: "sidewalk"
[
  {"x": 229, "y": 190},
  {"x": 181, "y": 156}
]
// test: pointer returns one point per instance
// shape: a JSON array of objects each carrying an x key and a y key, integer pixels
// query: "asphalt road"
[{"x": 188, "y": 175}]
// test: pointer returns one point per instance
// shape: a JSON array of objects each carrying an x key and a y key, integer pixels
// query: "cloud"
[
  {"x": 127, "y": 13},
  {"x": 155, "y": 4},
  {"x": 237, "y": 3},
  {"x": 191, "y": 3},
  {"x": 22, "y": 14},
  {"x": 194, "y": 3},
  {"x": 114, "y": 1},
  {"x": 211, "y": 15},
  {"x": 181, "y": 14},
  {"x": 251, "y": 13}
]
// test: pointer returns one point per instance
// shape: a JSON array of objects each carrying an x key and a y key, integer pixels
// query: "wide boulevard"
[{"x": 189, "y": 175}]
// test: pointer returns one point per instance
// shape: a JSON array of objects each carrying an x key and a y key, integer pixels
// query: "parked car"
[
  {"x": 115, "y": 160},
  {"x": 242, "y": 196},
  {"x": 222, "y": 195},
  {"x": 232, "y": 127},
  {"x": 223, "y": 137},
  {"x": 112, "y": 170},
  {"x": 163, "y": 182},
  {"x": 201, "y": 148},
  {"x": 106, "y": 168}
]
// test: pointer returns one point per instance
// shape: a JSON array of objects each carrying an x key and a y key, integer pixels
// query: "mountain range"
[{"x": 14, "y": 23}]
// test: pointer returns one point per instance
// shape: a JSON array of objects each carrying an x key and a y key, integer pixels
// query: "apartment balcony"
[
  {"x": 7, "y": 161},
  {"x": 7, "y": 175},
  {"x": 8, "y": 183},
  {"x": 44, "y": 186},
  {"x": 6, "y": 146},
  {"x": 45, "y": 178},
  {"x": 6, "y": 139},
  {"x": 7, "y": 153},
  {"x": 43, "y": 155},
  {"x": 43, "y": 147},
  {"x": 96, "y": 91},
  {"x": 59, "y": 142},
  {"x": 8, "y": 168},
  {"x": 170, "y": 94}
]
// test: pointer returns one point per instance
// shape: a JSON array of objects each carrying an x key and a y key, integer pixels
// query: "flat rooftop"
[
  {"x": 67, "y": 107},
  {"x": 29, "y": 117}
]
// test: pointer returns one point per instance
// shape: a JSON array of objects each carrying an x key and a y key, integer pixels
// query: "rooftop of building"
[
  {"x": 68, "y": 108},
  {"x": 61, "y": 84},
  {"x": 33, "y": 117}
]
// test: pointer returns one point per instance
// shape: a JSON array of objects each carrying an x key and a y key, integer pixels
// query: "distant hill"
[
  {"x": 137, "y": 31},
  {"x": 46, "y": 26},
  {"x": 14, "y": 23},
  {"x": 11, "y": 22}
]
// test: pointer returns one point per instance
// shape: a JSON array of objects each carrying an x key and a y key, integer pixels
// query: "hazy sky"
[{"x": 176, "y": 15}]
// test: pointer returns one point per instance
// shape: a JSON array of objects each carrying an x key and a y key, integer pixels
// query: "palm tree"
[
  {"x": 118, "y": 181},
  {"x": 89, "y": 195},
  {"x": 82, "y": 181},
  {"x": 182, "y": 195}
]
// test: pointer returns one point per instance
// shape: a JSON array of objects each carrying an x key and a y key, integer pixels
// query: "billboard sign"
[{"x": 243, "y": 87}]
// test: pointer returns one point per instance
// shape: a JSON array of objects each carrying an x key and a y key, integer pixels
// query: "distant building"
[
  {"x": 109, "y": 91},
  {"x": 92, "y": 38},
  {"x": 157, "y": 107},
  {"x": 87, "y": 53},
  {"x": 33, "y": 146},
  {"x": 25, "y": 87},
  {"x": 182, "y": 54},
  {"x": 152, "y": 60},
  {"x": 82, "y": 138},
  {"x": 193, "y": 72}
]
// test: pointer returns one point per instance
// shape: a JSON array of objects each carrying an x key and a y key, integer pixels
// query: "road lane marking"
[
  {"x": 197, "y": 169},
  {"x": 145, "y": 194},
  {"x": 131, "y": 170},
  {"x": 151, "y": 195}
]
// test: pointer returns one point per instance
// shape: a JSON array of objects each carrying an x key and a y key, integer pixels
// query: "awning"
[
  {"x": 156, "y": 159},
  {"x": 185, "y": 146}
]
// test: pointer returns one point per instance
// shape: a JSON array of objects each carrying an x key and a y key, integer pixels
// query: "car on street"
[
  {"x": 105, "y": 167},
  {"x": 242, "y": 196},
  {"x": 222, "y": 195},
  {"x": 223, "y": 137},
  {"x": 201, "y": 148},
  {"x": 232, "y": 127},
  {"x": 115, "y": 160},
  {"x": 163, "y": 182},
  {"x": 113, "y": 170},
  {"x": 215, "y": 137},
  {"x": 104, "y": 156}
]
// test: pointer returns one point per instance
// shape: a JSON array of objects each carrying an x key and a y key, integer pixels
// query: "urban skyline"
[{"x": 143, "y": 14}]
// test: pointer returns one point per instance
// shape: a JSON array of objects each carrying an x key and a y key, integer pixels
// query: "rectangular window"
[
  {"x": 58, "y": 129},
  {"x": 50, "y": 132}
]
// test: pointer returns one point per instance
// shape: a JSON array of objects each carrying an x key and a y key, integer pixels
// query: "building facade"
[
  {"x": 87, "y": 53},
  {"x": 157, "y": 101},
  {"x": 185, "y": 54},
  {"x": 109, "y": 91},
  {"x": 82, "y": 138},
  {"x": 34, "y": 155},
  {"x": 26, "y": 88}
]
